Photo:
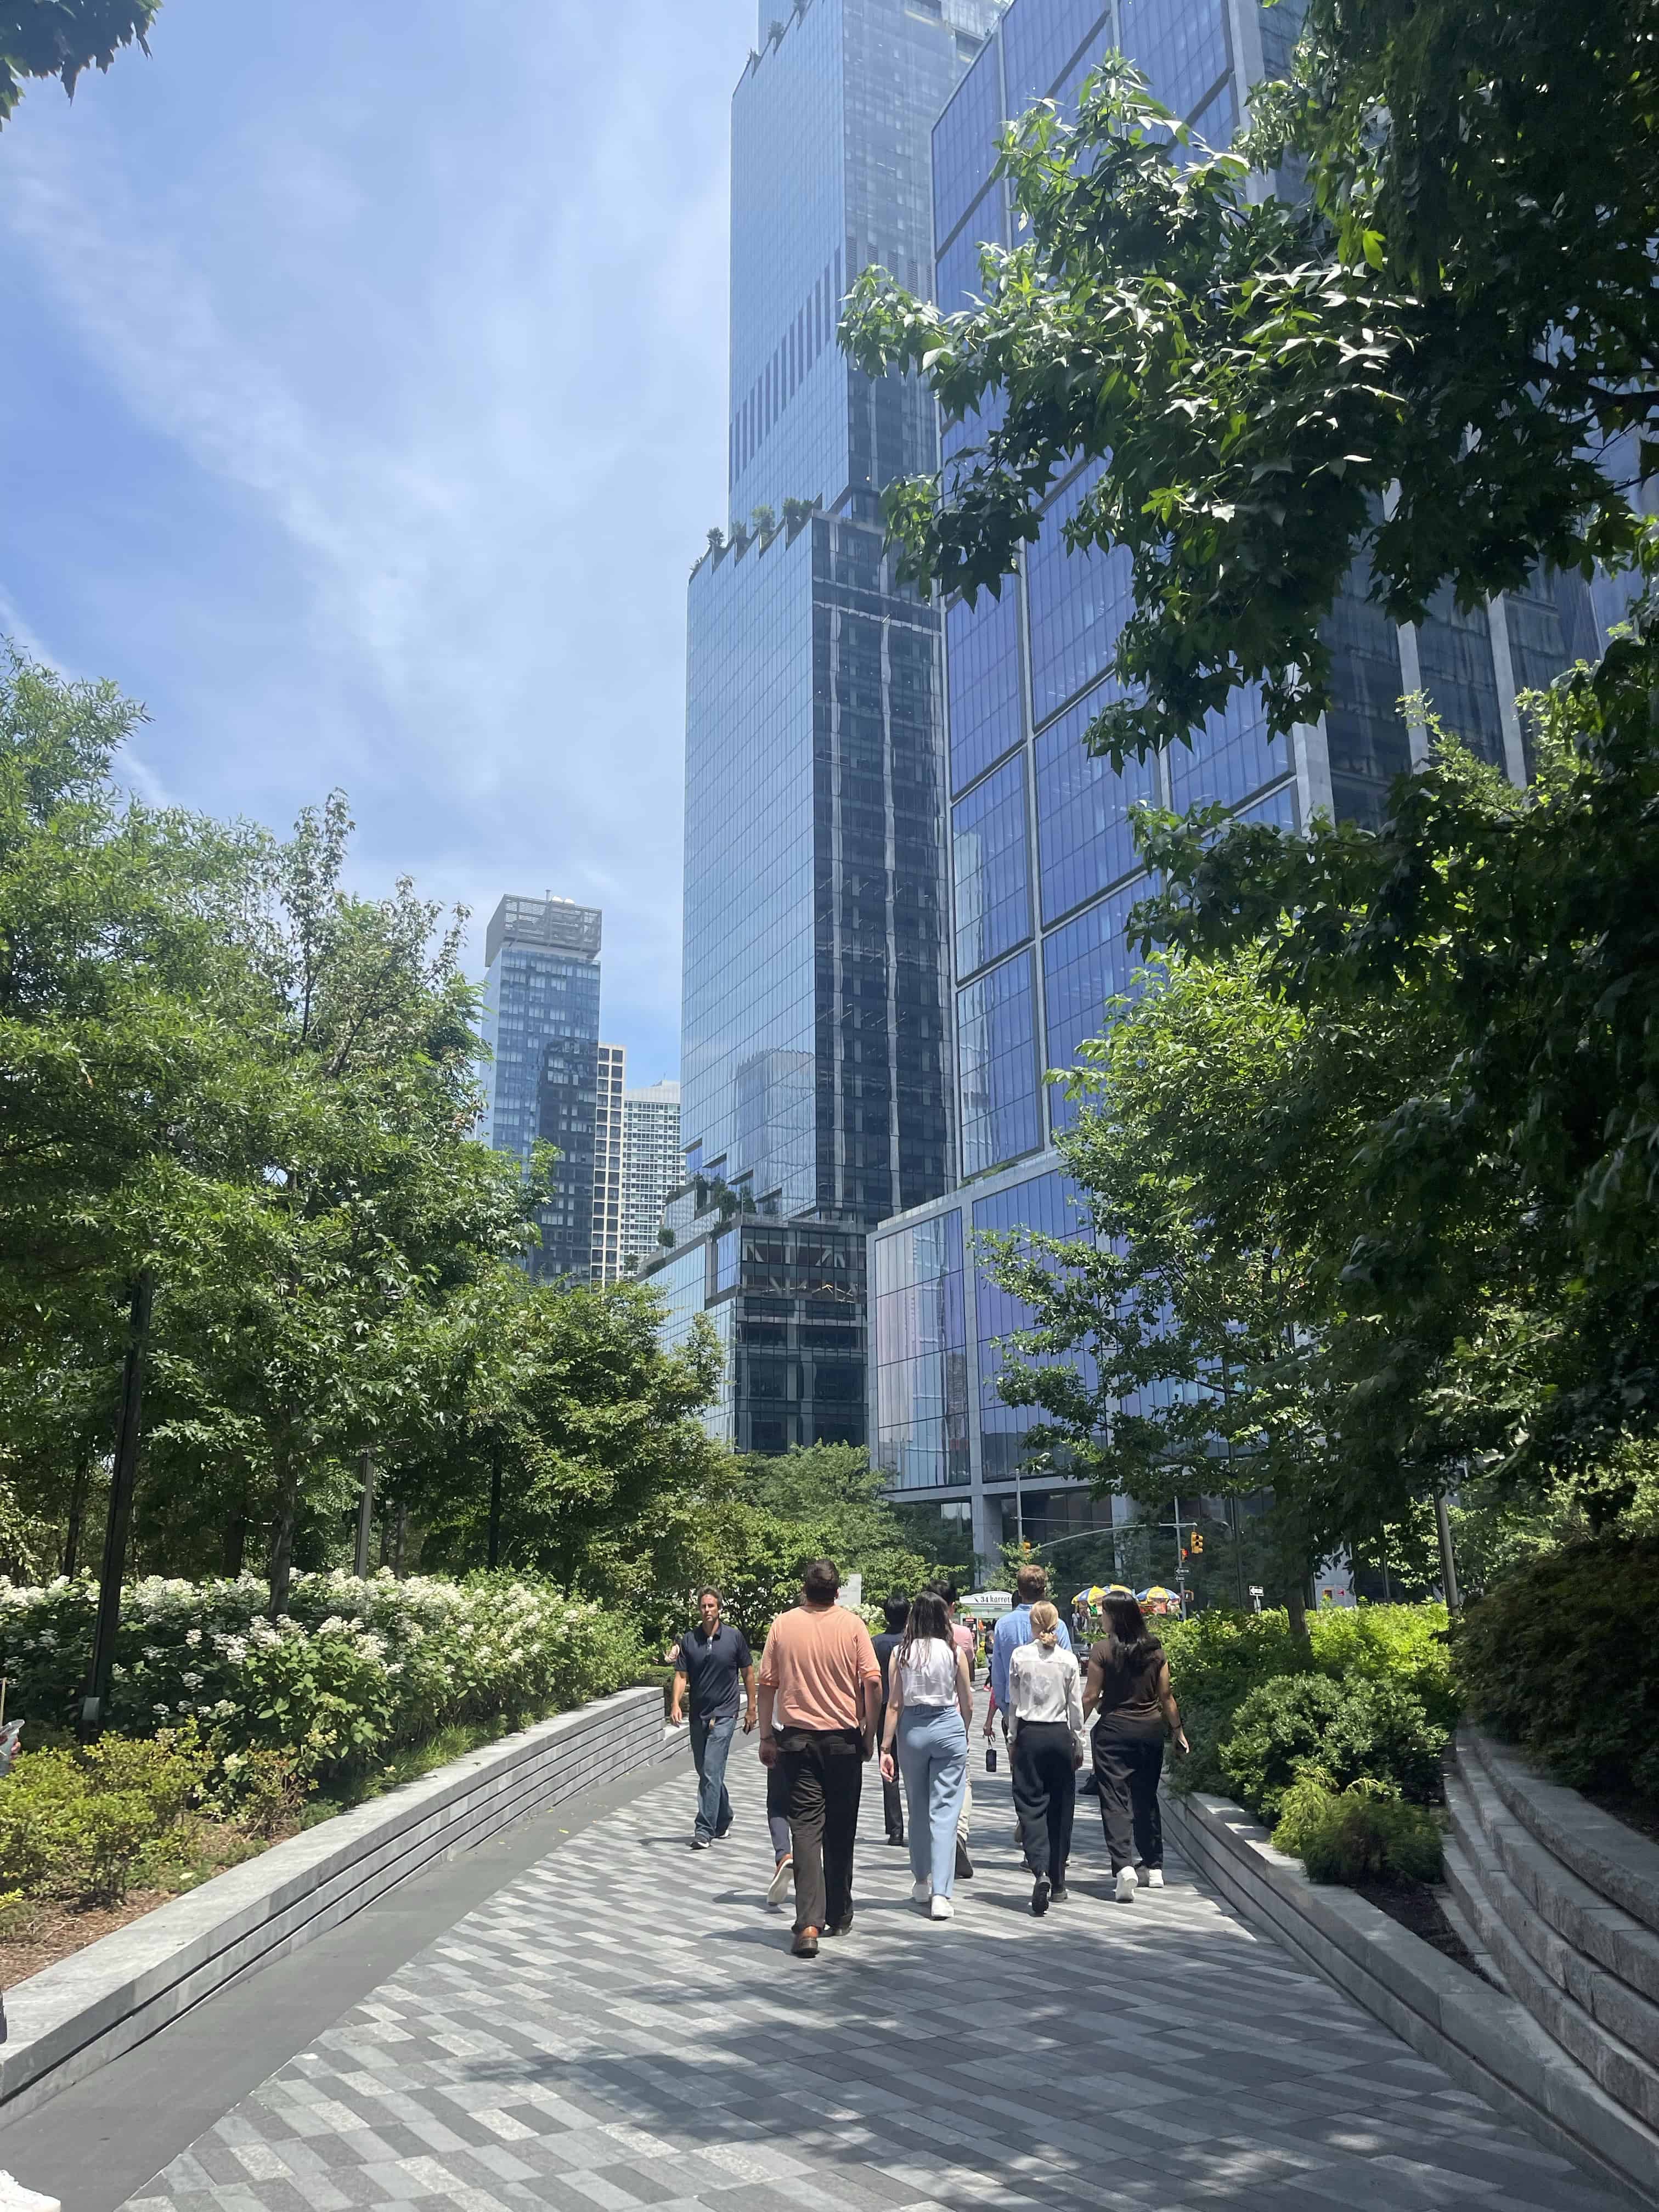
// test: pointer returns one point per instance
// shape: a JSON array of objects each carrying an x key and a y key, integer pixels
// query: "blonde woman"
[{"x": 1046, "y": 1744}]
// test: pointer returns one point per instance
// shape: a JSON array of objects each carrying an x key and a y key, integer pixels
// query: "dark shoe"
[
  {"x": 806, "y": 1945},
  {"x": 1040, "y": 1896},
  {"x": 964, "y": 1864},
  {"x": 699, "y": 1843},
  {"x": 840, "y": 1927},
  {"x": 898, "y": 1839},
  {"x": 720, "y": 1834}
]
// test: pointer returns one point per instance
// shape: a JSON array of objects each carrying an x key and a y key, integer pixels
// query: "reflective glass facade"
[
  {"x": 816, "y": 1055},
  {"x": 541, "y": 1083},
  {"x": 1044, "y": 870}
]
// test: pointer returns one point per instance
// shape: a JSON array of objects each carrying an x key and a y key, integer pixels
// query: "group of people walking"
[{"x": 828, "y": 1696}]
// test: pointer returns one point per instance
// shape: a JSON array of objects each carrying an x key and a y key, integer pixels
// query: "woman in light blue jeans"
[{"x": 930, "y": 1702}]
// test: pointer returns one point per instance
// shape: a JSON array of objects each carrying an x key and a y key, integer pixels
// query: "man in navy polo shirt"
[{"x": 713, "y": 1655}]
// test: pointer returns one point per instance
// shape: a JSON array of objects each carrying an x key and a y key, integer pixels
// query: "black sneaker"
[
  {"x": 1040, "y": 1889},
  {"x": 897, "y": 1841},
  {"x": 840, "y": 1927},
  {"x": 964, "y": 1864},
  {"x": 699, "y": 1843}
]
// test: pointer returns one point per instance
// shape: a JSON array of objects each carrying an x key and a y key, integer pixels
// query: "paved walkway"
[{"x": 622, "y": 2026}]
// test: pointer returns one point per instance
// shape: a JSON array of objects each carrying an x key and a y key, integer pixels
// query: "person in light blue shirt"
[{"x": 1014, "y": 1628}]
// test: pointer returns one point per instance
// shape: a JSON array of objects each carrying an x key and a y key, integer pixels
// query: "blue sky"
[{"x": 364, "y": 391}]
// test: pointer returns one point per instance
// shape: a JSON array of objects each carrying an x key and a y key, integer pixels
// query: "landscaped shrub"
[
  {"x": 1351, "y": 1731},
  {"x": 1405, "y": 1645},
  {"x": 75, "y": 1824},
  {"x": 1357, "y": 1834},
  {"x": 1562, "y": 1658},
  {"x": 356, "y": 1670},
  {"x": 1216, "y": 1660}
]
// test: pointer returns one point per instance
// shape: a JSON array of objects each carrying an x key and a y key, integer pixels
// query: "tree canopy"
[
  {"x": 64, "y": 38},
  {"x": 1433, "y": 344}
]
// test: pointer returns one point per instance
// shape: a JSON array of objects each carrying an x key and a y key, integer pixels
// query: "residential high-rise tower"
[
  {"x": 651, "y": 1168},
  {"x": 609, "y": 1138}
]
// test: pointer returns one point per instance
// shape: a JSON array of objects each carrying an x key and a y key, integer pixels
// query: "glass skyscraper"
[
  {"x": 1042, "y": 866},
  {"x": 815, "y": 1063},
  {"x": 541, "y": 1022}
]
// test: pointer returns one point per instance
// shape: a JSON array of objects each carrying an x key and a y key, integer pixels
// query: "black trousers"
[
  {"x": 1127, "y": 1771},
  {"x": 824, "y": 1772},
  {"x": 1045, "y": 1795},
  {"x": 892, "y": 1794}
]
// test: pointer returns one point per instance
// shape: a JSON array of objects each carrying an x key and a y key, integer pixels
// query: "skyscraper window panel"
[
  {"x": 960, "y": 441},
  {"x": 996, "y": 1055},
  {"x": 1281, "y": 26},
  {"x": 1087, "y": 962},
  {"x": 1085, "y": 809},
  {"x": 1046, "y": 1203},
  {"x": 1230, "y": 757},
  {"x": 993, "y": 876},
  {"x": 964, "y": 143},
  {"x": 921, "y": 1391},
  {"x": 982, "y": 647},
  {"x": 1079, "y": 603},
  {"x": 1277, "y": 809},
  {"x": 1215, "y": 123},
  {"x": 960, "y": 283},
  {"x": 1039, "y": 38},
  {"x": 1365, "y": 729},
  {"x": 1179, "y": 46},
  {"x": 1453, "y": 653}
]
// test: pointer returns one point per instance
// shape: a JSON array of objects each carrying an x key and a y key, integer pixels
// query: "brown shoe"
[{"x": 806, "y": 1945}]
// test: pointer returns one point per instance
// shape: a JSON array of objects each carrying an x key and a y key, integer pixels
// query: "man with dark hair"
[
  {"x": 897, "y": 1611},
  {"x": 711, "y": 1658},
  {"x": 820, "y": 1694}
]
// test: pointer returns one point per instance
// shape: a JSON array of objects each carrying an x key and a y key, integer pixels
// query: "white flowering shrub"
[{"x": 356, "y": 1670}]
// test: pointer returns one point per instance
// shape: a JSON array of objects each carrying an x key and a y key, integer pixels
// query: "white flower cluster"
[{"x": 355, "y": 1667}]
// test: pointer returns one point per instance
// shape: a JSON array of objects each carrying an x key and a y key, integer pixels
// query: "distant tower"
[
  {"x": 651, "y": 1167},
  {"x": 541, "y": 1022},
  {"x": 607, "y": 1168}
]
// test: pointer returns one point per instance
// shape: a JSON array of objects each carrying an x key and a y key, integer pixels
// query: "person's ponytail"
[{"x": 1045, "y": 1625}]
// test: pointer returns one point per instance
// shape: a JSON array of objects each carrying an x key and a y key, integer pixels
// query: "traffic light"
[{"x": 1198, "y": 1542}]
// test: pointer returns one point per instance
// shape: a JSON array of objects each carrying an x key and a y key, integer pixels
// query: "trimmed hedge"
[
  {"x": 1352, "y": 1731},
  {"x": 1562, "y": 1659}
]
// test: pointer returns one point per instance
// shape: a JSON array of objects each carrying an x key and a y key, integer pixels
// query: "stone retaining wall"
[
  {"x": 1482, "y": 2037},
  {"x": 68, "y": 2021}
]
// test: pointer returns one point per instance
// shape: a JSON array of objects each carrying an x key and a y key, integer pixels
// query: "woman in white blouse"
[
  {"x": 930, "y": 1702},
  {"x": 1047, "y": 1744}
]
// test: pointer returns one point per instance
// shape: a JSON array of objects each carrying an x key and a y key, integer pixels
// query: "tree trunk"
[
  {"x": 398, "y": 1540},
  {"x": 234, "y": 1551},
  {"x": 495, "y": 1505},
  {"x": 365, "y": 1514},
  {"x": 123, "y": 1479},
  {"x": 77, "y": 1506},
  {"x": 1295, "y": 1604},
  {"x": 282, "y": 1536}
]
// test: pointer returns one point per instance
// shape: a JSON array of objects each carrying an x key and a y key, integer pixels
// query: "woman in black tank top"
[{"x": 1129, "y": 1693}]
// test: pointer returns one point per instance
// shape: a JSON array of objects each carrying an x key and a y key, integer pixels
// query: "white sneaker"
[
  {"x": 14, "y": 2197},
  {"x": 1126, "y": 1885},
  {"x": 1151, "y": 1877},
  {"x": 777, "y": 1888},
  {"x": 920, "y": 1892},
  {"x": 941, "y": 1909}
]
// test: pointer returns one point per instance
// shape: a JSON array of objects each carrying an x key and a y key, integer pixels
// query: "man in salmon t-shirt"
[{"x": 820, "y": 1698}]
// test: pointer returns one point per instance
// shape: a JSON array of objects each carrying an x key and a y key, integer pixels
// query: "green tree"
[
  {"x": 62, "y": 38},
  {"x": 835, "y": 1488},
  {"x": 1435, "y": 343}
]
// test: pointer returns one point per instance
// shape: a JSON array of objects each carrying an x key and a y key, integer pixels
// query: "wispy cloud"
[{"x": 437, "y": 353}]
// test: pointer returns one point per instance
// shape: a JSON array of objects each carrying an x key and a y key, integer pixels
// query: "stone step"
[
  {"x": 1515, "y": 1937},
  {"x": 1614, "y": 1860},
  {"x": 1459, "y": 1886},
  {"x": 1602, "y": 1932}
]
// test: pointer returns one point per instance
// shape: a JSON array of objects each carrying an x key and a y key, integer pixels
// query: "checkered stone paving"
[{"x": 624, "y": 2027}]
